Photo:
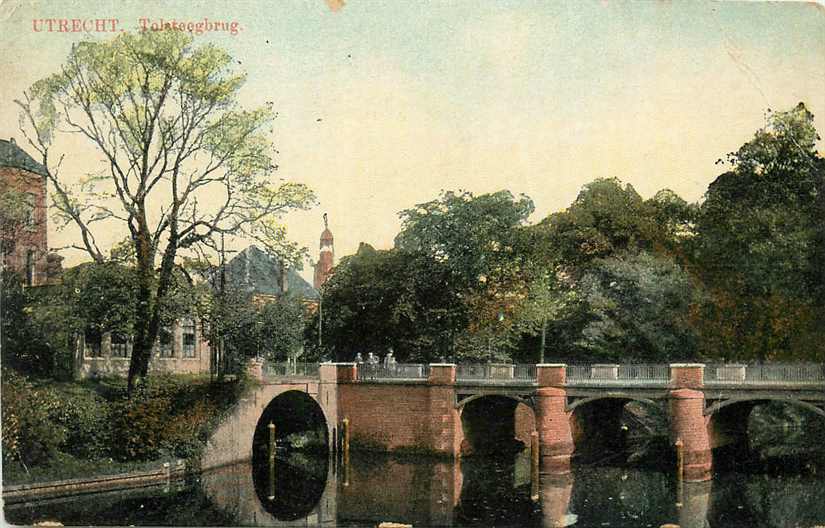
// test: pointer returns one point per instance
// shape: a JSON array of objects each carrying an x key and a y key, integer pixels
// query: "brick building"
[{"x": 25, "y": 247}]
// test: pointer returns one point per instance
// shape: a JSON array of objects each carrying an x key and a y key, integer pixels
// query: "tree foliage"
[
  {"x": 182, "y": 161},
  {"x": 638, "y": 310},
  {"x": 244, "y": 327},
  {"x": 758, "y": 244},
  {"x": 607, "y": 219},
  {"x": 377, "y": 300}
]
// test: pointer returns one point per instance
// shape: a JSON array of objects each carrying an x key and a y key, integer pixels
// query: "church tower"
[{"x": 326, "y": 257}]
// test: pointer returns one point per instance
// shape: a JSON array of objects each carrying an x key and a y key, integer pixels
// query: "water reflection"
[
  {"x": 481, "y": 491},
  {"x": 314, "y": 491},
  {"x": 291, "y": 486}
]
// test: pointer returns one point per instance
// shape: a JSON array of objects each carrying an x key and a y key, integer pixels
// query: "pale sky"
[{"x": 535, "y": 97}]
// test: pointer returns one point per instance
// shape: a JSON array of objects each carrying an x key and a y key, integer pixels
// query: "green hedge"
[{"x": 48, "y": 424}]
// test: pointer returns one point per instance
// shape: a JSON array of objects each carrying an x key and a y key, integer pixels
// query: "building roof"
[
  {"x": 326, "y": 234},
  {"x": 13, "y": 156},
  {"x": 257, "y": 272}
]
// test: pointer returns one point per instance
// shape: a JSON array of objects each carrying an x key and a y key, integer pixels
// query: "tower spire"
[{"x": 326, "y": 255}]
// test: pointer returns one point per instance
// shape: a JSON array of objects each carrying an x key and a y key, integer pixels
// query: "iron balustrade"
[
  {"x": 290, "y": 370},
  {"x": 728, "y": 374},
  {"x": 794, "y": 374},
  {"x": 620, "y": 375},
  {"x": 397, "y": 371},
  {"x": 495, "y": 373}
]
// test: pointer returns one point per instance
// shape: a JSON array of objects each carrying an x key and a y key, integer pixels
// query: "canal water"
[{"x": 304, "y": 490}]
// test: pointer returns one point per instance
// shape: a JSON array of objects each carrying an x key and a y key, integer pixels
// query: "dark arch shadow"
[
  {"x": 491, "y": 424},
  {"x": 614, "y": 396},
  {"x": 766, "y": 433},
  {"x": 474, "y": 397},
  {"x": 291, "y": 486},
  {"x": 618, "y": 427},
  {"x": 755, "y": 401}
]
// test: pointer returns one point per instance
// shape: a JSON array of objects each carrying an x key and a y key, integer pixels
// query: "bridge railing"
[
  {"x": 790, "y": 374},
  {"x": 290, "y": 370},
  {"x": 613, "y": 374},
  {"x": 398, "y": 371},
  {"x": 495, "y": 373},
  {"x": 765, "y": 374}
]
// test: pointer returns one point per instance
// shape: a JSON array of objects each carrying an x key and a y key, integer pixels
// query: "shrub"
[
  {"x": 86, "y": 418},
  {"x": 137, "y": 427},
  {"x": 184, "y": 436},
  {"x": 30, "y": 436}
]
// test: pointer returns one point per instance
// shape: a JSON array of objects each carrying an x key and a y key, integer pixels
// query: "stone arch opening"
[
  {"x": 291, "y": 485},
  {"x": 618, "y": 428},
  {"x": 494, "y": 423},
  {"x": 769, "y": 433}
]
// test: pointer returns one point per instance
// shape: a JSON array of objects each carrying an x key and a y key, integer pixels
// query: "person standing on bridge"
[
  {"x": 389, "y": 362},
  {"x": 372, "y": 365}
]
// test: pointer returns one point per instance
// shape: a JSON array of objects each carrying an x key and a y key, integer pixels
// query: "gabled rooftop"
[{"x": 13, "y": 156}]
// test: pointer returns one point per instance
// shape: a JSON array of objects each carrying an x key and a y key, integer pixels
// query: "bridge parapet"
[
  {"x": 288, "y": 369},
  {"x": 766, "y": 375},
  {"x": 396, "y": 372},
  {"x": 676, "y": 375},
  {"x": 630, "y": 375}
]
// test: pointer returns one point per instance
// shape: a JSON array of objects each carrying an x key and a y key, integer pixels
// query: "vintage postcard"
[{"x": 386, "y": 263}]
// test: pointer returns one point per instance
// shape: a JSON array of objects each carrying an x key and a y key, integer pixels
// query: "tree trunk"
[{"x": 139, "y": 363}]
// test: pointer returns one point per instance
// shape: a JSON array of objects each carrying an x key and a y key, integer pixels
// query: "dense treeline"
[{"x": 614, "y": 277}]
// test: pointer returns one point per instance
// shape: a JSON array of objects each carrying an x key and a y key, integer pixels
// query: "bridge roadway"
[{"x": 434, "y": 408}]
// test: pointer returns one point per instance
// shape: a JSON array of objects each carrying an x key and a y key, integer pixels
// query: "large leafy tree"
[
  {"x": 639, "y": 308},
  {"x": 758, "y": 244},
  {"x": 182, "y": 161},
  {"x": 610, "y": 257},
  {"x": 483, "y": 244},
  {"x": 271, "y": 328},
  {"x": 377, "y": 300},
  {"x": 608, "y": 219}
]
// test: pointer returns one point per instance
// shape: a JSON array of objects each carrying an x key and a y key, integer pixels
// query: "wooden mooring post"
[
  {"x": 534, "y": 466},
  {"x": 680, "y": 470}
]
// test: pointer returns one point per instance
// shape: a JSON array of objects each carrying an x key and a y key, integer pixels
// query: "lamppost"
[
  {"x": 500, "y": 319},
  {"x": 320, "y": 318},
  {"x": 258, "y": 337}
]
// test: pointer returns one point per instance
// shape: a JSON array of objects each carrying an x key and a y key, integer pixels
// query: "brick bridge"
[{"x": 445, "y": 408}]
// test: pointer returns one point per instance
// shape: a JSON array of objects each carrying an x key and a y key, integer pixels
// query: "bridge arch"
[
  {"x": 464, "y": 401},
  {"x": 494, "y": 423},
  {"x": 713, "y": 409},
  {"x": 616, "y": 424},
  {"x": 626, "y": 397},
  {"x": 299, "y": 472},
  {"x": 292, "y": 412},
  {"x": 738, "y": 435}
]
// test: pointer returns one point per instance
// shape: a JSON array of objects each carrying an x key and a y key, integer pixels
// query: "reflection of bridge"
[
  {"x": 444, "y": 408},
  {"x": 448, "y": 492}
]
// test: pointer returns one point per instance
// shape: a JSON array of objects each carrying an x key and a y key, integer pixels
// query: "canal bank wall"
[{"x": 122, "y": 481}]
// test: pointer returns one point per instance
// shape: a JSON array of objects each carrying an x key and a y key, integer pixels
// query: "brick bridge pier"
[{"x": 434, "y": 408}]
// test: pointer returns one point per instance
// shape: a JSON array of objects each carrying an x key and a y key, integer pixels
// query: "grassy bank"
[{"x": 60, "y": 430}]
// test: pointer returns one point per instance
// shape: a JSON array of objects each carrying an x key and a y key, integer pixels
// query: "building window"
[
  {"x": 31, "y": 218},
  {"x": 119, "y": 346},
  {"x": 30, "y": 267},
  {"x": 93, "y": 339},
  {"x": 166, "y": 341},
  {"x": 188, "y": 339}
]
